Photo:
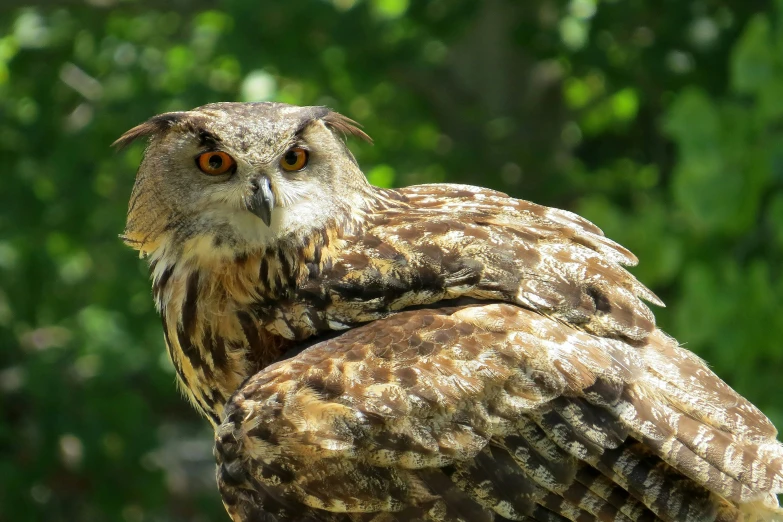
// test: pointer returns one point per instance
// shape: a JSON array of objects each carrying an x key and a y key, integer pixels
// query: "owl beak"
[{"x": 262, "y": 200}]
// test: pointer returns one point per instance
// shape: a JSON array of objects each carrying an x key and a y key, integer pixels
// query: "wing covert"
[{"x": 452, "y": 241}]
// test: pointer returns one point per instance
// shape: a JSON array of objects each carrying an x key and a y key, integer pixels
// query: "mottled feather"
[{"x": 454, "y": 406}]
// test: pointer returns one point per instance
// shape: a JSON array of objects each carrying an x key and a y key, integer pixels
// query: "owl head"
[{"x": 240, "y": 176}]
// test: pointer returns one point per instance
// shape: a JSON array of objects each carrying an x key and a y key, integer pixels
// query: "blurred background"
[{"x": 660, "y": 120}]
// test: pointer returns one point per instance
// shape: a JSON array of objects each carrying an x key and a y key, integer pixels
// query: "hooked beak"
[{"x": 261, "y": 201}]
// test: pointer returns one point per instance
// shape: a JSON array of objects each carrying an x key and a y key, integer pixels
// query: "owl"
[{"x": 432, "y": 353}]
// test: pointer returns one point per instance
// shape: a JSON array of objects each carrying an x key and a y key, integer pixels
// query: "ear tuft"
[
  {"x": 154, "y": 125},
  {"x": 346, "y": 125}
]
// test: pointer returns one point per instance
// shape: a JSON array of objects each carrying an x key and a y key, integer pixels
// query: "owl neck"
[{"x": 208, "y": 304}]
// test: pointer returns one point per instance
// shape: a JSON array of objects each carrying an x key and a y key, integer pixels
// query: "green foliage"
[{"x": 660, "y": 121}]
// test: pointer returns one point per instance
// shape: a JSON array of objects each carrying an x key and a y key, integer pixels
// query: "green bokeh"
[{"x": 660, "y": 121}]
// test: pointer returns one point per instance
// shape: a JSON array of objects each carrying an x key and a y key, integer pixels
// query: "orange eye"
[
  {"x": 215, "y": 163},
  {"x": 295, "y": 159}
]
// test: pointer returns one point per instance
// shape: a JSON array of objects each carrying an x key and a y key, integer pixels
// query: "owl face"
[{"x": 240, "y": 175}]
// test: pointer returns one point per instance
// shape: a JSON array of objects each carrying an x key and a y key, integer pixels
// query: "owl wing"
[{"x": 490, "y": 411}]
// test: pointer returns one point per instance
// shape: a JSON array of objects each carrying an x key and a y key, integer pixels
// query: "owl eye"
[
  {"x": 295, "y": 159},
  {"x": 215, "y": 163}
]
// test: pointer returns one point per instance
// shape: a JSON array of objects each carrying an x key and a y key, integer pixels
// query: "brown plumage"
[{"x": 434, "y": 353}]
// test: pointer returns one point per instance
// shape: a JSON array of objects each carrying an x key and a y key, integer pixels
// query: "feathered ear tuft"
[
  {"x": 154, "y": 125},
  {"x": 346, "y": 125}
]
